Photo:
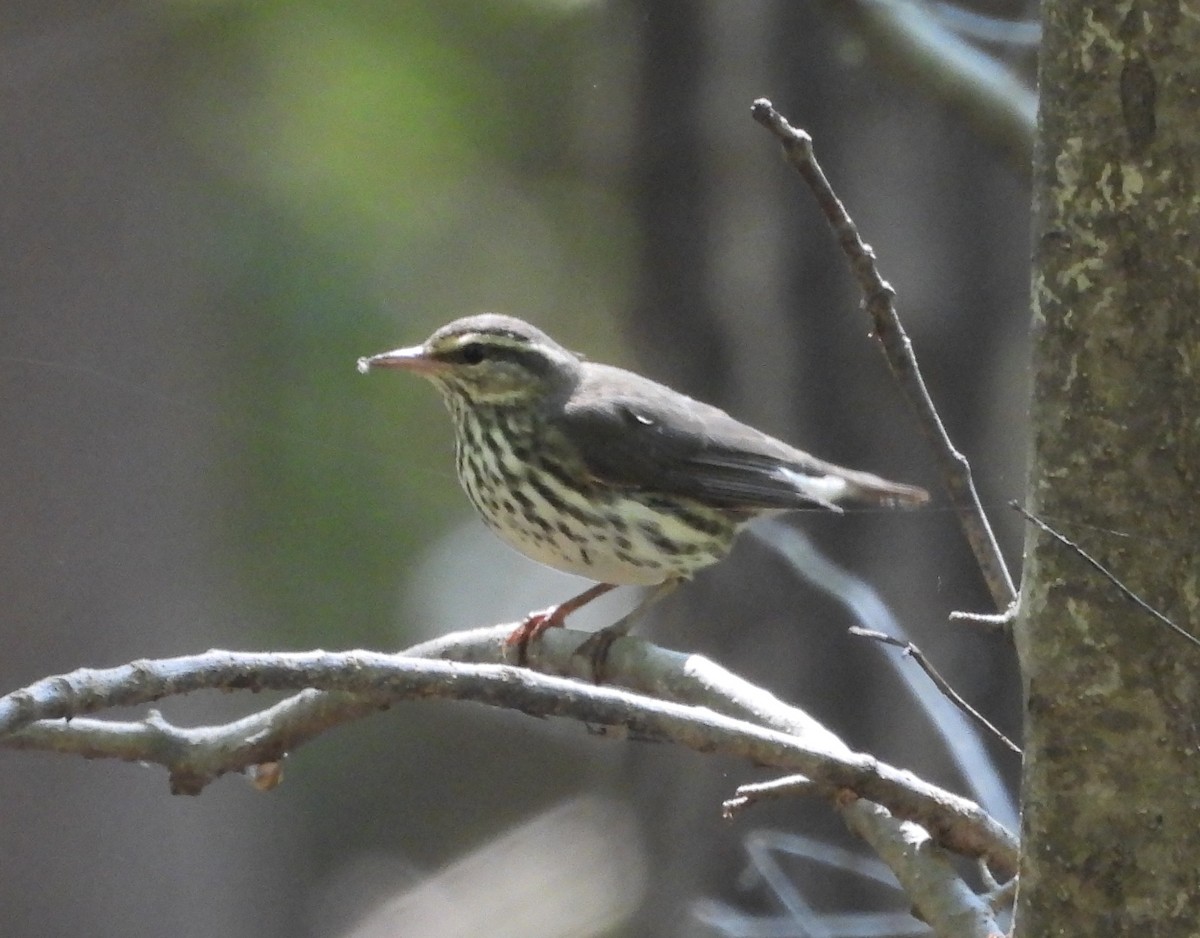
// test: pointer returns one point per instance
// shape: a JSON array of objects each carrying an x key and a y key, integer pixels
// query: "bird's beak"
[{"x": 415, "y": 359}]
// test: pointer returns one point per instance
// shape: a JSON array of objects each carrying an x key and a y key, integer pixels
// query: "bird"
[{"x": 605, "y": 473}]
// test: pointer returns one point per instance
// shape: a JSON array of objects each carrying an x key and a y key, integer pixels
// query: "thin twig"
[
  {"x": 880, "y": 301},
  {"x": 912, "y": 651},
  {"x": 1106, "y": 573},
  {"x": 750, "y": 794},
  {"x": 997, "y": 619},
  {"x": 1003, "y": 895}
]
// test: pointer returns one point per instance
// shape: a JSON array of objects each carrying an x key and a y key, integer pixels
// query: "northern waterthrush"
[{"x": 601, "y": 472}]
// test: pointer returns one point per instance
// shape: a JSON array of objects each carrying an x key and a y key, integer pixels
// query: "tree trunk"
[{"x": 1111, "y": 794}]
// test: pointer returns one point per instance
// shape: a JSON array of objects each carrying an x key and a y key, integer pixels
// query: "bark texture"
[{"x": 1111, "y": 793}]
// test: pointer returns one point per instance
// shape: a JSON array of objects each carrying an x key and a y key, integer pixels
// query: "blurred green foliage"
[{"x": 393, "y": 165}]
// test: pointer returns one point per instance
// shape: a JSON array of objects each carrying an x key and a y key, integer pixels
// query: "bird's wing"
[{"x": 634, "y": 432}]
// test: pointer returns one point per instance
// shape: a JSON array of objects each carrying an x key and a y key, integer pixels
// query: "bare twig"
[
  {"x": 868, "y": 610},
  {"x": 998, "y": 619},
  {"x": 1106, "y": 573},
  {"x": 752, "y": 793},
  {"x": 1002, "y": 896},
  {"x": 912, "y": 651},
  {"x": 879, "y": 299},
  {"x": 196, "y": 756}
]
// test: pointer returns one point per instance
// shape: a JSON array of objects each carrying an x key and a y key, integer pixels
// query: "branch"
[
  {"x": 645, "y": 668},
  {"x": 1000, "y": 107},
  {"x": 946, "y": 902},
  {"x": 940, "y": 898},
  {"x": 879, "y": 300},
  {"x": 939, "y": 895},
  {"x": 910, "y": 650},
  {"x": 196, "y": 756}
]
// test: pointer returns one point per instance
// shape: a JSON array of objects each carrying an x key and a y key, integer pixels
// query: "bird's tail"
[
  {"x": 870, "y": 489},
  {"x": 827, "y": 485}
]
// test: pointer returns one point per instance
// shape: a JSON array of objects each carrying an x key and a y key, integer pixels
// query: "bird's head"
[{"x": 487, "y": 359}]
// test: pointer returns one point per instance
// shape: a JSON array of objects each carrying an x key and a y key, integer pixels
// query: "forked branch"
[{"x": 352, "y": 684}]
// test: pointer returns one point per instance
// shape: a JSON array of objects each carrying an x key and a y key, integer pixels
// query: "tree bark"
[{"x": 1110, "y": 793}]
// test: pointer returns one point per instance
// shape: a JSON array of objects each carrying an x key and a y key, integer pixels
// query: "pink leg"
[{"x": 537, "y": 622}]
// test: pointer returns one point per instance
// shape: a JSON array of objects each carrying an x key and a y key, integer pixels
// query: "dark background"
[{"x": 208, "y": 210}]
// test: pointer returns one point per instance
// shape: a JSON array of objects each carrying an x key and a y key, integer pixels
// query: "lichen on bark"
[{"x": 1111, "y": 800}]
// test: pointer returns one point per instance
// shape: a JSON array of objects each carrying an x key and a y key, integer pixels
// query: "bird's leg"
[
  {"x": 595, "y": 649},
  {"x": 553, "y": 617}
]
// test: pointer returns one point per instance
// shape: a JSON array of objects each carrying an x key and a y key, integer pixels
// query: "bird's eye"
[{"x": 472, "y": 353}]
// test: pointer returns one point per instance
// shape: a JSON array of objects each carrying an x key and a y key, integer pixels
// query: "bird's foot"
[
  {"x": 536, "y": 623},
  {"x": 533, "y": 626},
  {"x": 594, "y": 651}
]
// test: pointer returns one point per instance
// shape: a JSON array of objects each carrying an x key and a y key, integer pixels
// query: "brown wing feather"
[{"x": 635, "y": 432}]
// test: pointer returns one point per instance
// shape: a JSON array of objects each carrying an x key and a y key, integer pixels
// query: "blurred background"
[{"x": 209, "y": 210}]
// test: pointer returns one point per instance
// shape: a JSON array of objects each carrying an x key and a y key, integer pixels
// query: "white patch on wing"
[{"x": 819, "y": 488}]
